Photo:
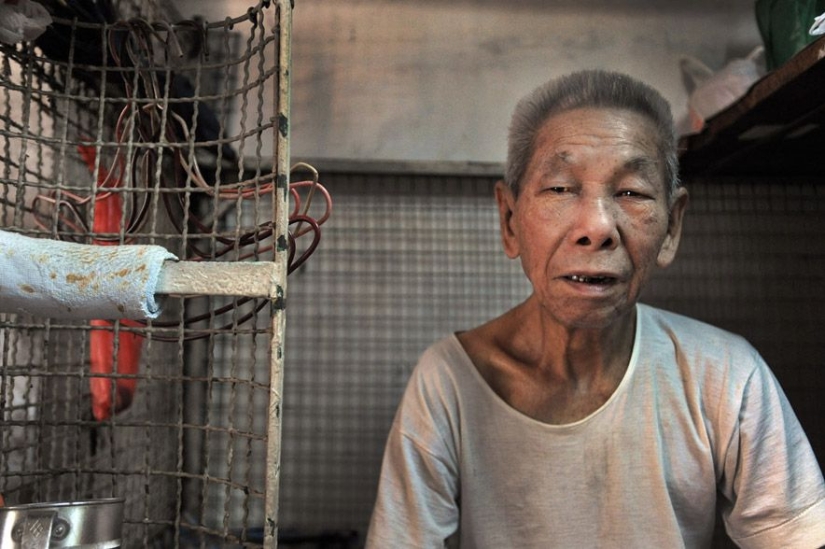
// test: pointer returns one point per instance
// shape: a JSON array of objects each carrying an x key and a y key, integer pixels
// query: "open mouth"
[{"x": 603, "y": 280}]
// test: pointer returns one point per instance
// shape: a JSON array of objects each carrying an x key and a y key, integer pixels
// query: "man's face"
[{"x": 592, "y": 218}]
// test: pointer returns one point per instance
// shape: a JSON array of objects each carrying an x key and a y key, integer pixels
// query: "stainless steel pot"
[{"x": 93, "y": 524}]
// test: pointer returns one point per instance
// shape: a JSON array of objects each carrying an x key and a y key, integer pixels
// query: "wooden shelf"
[{"x": 776, "y": 128}]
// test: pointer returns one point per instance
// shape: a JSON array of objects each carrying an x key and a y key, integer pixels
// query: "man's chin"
[{"x": 597, "y": 318}]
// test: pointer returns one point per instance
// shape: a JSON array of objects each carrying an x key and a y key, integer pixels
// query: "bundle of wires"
[{"x": 155, "y": 134}]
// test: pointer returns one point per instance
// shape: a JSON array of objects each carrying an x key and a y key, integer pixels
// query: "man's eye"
[
  {"x": 630, "y": 194},
  {"x": 557, "y": 189}
]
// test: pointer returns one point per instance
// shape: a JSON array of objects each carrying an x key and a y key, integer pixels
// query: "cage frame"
[{"x": 265, "y": 279}]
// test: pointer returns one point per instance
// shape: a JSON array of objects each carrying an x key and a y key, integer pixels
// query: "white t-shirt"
[{"x": 697, "y": 414}]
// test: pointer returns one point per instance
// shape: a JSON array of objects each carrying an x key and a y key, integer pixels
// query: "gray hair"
[{"x": 585, "y": 89}]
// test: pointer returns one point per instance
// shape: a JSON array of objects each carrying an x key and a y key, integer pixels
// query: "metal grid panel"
[
  {"x": 405, "y": 260},
  {"x": 186, "y": 125}
]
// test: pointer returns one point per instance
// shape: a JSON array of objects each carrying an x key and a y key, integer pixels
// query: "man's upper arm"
[
  {"x": 417, "y": 502},
  {"x": 772, "y": 475},
  {"x": 416, "y": 505}
]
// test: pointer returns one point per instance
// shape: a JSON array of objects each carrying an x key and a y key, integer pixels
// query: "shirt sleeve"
[
  {"x": 417, "y": 501},
  {"x": 772, "y": 480}
]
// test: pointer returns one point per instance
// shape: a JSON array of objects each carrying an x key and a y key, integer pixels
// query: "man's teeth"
[{"x": 589, "y": 279}]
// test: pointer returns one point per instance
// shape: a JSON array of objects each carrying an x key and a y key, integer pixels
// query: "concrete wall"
[{"x": 426, "y": 80}]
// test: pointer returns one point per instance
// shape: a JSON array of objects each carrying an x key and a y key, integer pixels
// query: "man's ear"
[
  {"x": 506, "y": 201},
  {"x": 667, "y": 252}
]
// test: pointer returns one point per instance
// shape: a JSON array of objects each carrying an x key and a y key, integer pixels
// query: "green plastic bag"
[{"x": 784, "y": 26}]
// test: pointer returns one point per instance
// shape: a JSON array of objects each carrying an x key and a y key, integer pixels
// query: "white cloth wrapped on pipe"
[{"x": 55, "y": 279}]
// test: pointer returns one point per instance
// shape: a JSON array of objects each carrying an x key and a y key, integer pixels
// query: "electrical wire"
[{"x": 151, "y": 140}]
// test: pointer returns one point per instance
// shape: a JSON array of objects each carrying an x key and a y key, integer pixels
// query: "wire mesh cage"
[{"x": 118, "y": 127}]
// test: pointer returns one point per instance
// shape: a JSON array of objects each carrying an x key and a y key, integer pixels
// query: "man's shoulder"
[
  {"x": 441, "y": 362},
  {"x": 688, "y": 325},
  {"x": 693, "y": 335},
  {"x": 446, "y": 349},
  {"x": 703, "y": 355}
]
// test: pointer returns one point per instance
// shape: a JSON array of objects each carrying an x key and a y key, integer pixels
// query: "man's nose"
[{"x": 596, "y": 224}]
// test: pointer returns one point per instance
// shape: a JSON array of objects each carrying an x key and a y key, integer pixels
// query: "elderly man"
[{"x": 581, "y": 418}]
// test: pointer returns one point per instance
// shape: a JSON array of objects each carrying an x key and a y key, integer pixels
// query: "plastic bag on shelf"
[
  {"x": 712, "y": 92},
  {"x": 785, "y": 26},
  {"x": 819, "y": 25}
]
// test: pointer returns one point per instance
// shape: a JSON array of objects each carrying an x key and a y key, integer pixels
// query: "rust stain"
[
  {"x": 52, "y": 275},
  {"x": 90, "y": 257},
  {"x": 141, "y": 268},
  {"x": 123, "y": 272},
  {"x": 26, "y": 288},
  {"x": 81, "y": 280}
]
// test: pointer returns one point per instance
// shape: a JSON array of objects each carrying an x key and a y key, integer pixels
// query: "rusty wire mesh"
[{"x": 175, "y": 127}]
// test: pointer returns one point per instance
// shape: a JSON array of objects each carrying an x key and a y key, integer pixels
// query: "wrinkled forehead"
[
  {"x": 628, "y": 137},
  {"x": 603, "y": 119}
]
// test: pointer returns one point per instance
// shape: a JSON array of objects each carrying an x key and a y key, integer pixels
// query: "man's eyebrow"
[
  {"x": 641, "y": 164},
  {"x": 555, "y": 161}
]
